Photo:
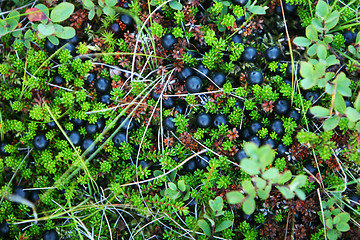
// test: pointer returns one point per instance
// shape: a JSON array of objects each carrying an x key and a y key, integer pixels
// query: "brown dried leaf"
[{"x": 35, "y": 14}]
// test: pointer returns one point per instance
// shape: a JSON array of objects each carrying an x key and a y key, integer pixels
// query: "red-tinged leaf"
[{"x": 35, "y": 14}]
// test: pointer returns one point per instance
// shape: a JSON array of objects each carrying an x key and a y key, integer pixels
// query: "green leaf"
[
  {"x": 249, "y": 188},
  {"x": 357, "y": 102},
  {"x": 331, "y": 123},
  {"x": 91, "y": 14},
  {"x": 317, "y": 24},
  {"x": 307, "y": 83},
  {"x": 62, "y": 11},
  {"x": 332, "y": 60},
  {"x": 329, "y": 223},
  {"x": 319, "y": 111},
  {"x": 340, "y": 104},
  {"x": 54, "y": 40},
  {"x": 217, "y": 204},
  {"x": 257, "y": 10},
  {"x": 306, "y": 69},
  {"x": 172, "y": 194},
  {"x": 260, "y": 183},
  {"x": 67, "y": 33},
  {"x": 172, "y": 186},
  {"x": 250, "y": 166},
  {"x": 205, "y": 227},
  {"x": 109, "y": 10},
  {"x": 301, "y": 194},
  {"x": 311, "y": 33},
  {"x": 262, "y": 194},
  {"x": 343, "y": 227},
  {"x": 333, "y": 234},
  {"x": 43, "y": 8},
  {"x": 285, "y": 177},
  {"x": 328, "y": 38},
  {"x": 322, "y": 9},
  {"x": 249, "y": 206},
  {"x": 3, "y": 29},
  {"x": 251, "y": 149},
  {"x": 321, "y": 51},
  {"x": 342, "y": 217},
  {"x": 46, "y": 29},
  {"x": 302, "y": 41},
  {"x": 271, "y": 173},
  {"x": 181, "y": 185},
  {"x": 285, "y": 192},
  {"x": 332, "y": 20},
  {"x": 234, "y": 197},
  {"x": 266, "y": 155},
  {"x": 298, "y": 182},
  {"x": 352, "y": 114},
  {"x": 88, "y": 4},
  {"x": 176, "y": 5},
  {"x": 224, "y": 225},
  {"x": 110, "y": 3}
]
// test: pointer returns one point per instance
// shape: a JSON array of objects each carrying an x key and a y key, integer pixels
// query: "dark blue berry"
[
  {"x": 169, "y": 124},
  {"x": 202, "y": 162},
  {"x": 202, "y": 72},
  {"x": 277, "y": 127},
  {"x": 91, "y": 128},
  {"x": 105, "y": 99},
  {"x": 193, "y": 84},
  {"x": 40, "y": 142},
  {"x": 168, "y": 41},
  {"x": 184, "y": 73},
  {"x": 272, "y": 54},
  {"x": 281, "y": 107},
  {"x": 255, "y": 77},
  {"x": 240, "y": 155},
  {"x": 51, "y": 235},
  {"x": 220, "y": 119},
  {"x": 102, "y": 85},
  {"x": 203, "y": 120},
  {"x": 249, "y": 55},
  {"x": 219, "y": 79},
  {"x": 75, "y": 137},
  {"x": 119, "y": 138}
]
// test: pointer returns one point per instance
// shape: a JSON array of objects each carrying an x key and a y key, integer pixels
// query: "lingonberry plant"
[{"x": 139, "y": 119}]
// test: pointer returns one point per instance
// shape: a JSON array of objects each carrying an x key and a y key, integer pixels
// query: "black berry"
[
  {"x": 102, "y": 85},
  {"x": 58, "y": 80},
  {"x": 51, "y": 235},
  {"x": 240, "y": 2},
  {"x": 239, "y": 20},
  {"x": 77, "y": 122},
  {"x": 40, "y": 142},
  {"x": 169, "y": 124},
  {"x": 4, "y": 229},
  {"x": 202, "y": 162},
  {"x": 354, "y": 200},
  {"x": 69, "y": 46},
  {"x": 312, "y": 96},
  {"x": 240, "y": 155},
  {"x": 290, "y": 9},
  {"x": 256, "y": 140},
  {"x": 313, "y": 170},
  {"x": 168, "y": 41},
  {"x": 269, "y": 141},
  {"x": 91, "y": 128},
  {"x": 119, "y": 138},
  {"x": 219, "y": 79},
  {"x": 100, "y": 123},
  {"x": 19, "y": 191},
  {"x": 50, "y": 47},
  {"x": 193, "y": 84},
  {"x": 255, "y": 77},
  {"x": 168, "y": 102},
  {"x": 105, "y": 99},
  {"x": 277, "y": 127},
  {"x": 2, "y": 149},
  {"x": 86, "y": 144},
  {"x": 33, "y": 196},
  {"x": 255, "y": 127},
  {"x": 282, "y": 150},
  {"x": 75, "y": 137},
  {"x": 289, "y": 70},
  {"x": 245, "y": 134},
  {"x": 190, "y": 166},
  {"x": 281, "y": 107},
  {"x": 90, "y": 78},
  {"x": 51, "y": 125},
  {"x": 249, "y": 55},
  {"x": 272, "y": 54},
  {"x": 236, "y": 38},
  {"x": 203, "y": 120},
  {"x": 155, "y": 94},
  {"x": 294, "y": 115},
  {"x": 180, "y": 108},
  {"x": 184, "y": 73},
  {"x": 127, "y": 21},
  {"x": 202, "y": 72},
  {"x": 349, "y": 36},
  {"x": 115, "y": 28},
  {"x": 128, "y": 125},
  {"x": 220, "y": 119}
]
